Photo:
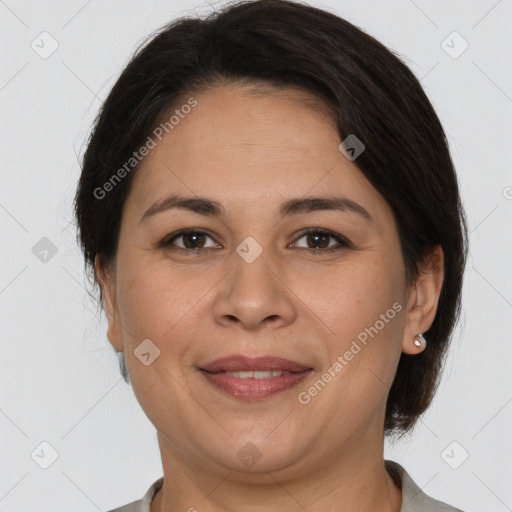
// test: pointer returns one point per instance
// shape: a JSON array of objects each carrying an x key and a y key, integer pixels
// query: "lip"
[
  {"x": 240, "y": 363},
  {"x": 252, "y": 388}
]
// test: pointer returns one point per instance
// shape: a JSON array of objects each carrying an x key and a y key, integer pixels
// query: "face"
[{"x": 269, "y": 282}]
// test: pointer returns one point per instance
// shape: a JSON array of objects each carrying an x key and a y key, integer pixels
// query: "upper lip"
[{"x": 237, "y": 363}]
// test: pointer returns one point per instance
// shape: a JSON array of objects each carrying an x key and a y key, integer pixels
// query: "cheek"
[
  {"x": 168, "y": 307},
  {"x": 154, "y": 308},
  {"x": 364, "y": 310},
  {"x": 152, "y": 297},
  {"x": 355, "y": 295},
  {"x": 140, "y": 303}
]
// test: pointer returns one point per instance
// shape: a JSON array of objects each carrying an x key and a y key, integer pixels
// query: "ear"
[
  {"x": 423, "y": 299},
  {"x": 107, "y": 280}
]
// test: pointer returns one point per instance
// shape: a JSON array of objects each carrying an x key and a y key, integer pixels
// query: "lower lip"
[{"x": 254, "y": 389}]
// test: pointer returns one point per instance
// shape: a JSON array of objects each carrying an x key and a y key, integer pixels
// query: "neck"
[{"x": 345, "y": 482}]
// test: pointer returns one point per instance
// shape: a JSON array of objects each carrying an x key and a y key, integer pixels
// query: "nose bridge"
[
  {"x": 253, "y": 293},
  {"x": 251, "y": 274}
]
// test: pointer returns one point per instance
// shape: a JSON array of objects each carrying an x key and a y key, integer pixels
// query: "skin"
[{"x": 251, "y": 152}]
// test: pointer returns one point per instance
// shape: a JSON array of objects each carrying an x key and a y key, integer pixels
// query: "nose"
[{"x": 254, "y": 295}]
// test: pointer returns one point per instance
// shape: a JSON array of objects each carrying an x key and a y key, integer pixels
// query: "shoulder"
[
  {"x": 134, "y": 506},
  {"x": 142, "y": 505},
  {"x": 413, "y": 498}
]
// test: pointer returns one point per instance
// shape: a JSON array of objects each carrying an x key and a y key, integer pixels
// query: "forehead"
[
  {"x": 242, "y": 122},
  {"x": 253, "y": 145}
]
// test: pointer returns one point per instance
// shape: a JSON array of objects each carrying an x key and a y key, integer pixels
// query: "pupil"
[
  {"x": 320, "y": 237},
  {"x": 317, "y": 239},
  {"x": 194, "y": 236}
]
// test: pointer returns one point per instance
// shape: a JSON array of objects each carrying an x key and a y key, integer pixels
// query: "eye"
[
  {"x": 192, "y": 239},
  {"x": 320, "y": 238}
]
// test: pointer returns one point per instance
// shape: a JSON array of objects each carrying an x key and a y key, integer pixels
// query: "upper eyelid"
[
  {"x": 340, "y": 239},
  {"x": 182, "y": 232}
]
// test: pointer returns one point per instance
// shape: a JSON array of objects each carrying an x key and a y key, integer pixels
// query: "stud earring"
[{"x": 420, "y": 340}]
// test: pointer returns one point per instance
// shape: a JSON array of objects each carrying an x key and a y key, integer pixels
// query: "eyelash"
[{"x": 343, "y": 242}]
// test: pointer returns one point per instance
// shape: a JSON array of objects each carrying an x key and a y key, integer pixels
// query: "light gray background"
[{"x": 59, "y": 376}]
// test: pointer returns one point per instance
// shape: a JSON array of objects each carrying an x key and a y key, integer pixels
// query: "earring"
[{"x": 420, "y": 340}]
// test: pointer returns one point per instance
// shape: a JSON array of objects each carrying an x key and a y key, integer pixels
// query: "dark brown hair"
[{"x": 369, "y": 91}]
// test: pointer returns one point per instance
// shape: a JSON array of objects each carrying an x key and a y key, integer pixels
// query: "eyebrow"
[{"x": 206, "y": 206}]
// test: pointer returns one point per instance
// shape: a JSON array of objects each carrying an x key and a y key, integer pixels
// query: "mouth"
[{"x": 254, "y": 378}]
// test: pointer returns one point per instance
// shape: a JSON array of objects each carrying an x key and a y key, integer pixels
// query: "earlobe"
[
  {"x": 108, "y": 289},
  {"x": 423, "y": 301}
]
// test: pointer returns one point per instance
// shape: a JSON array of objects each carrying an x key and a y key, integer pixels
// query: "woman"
[{"x": 271, "y": 212}]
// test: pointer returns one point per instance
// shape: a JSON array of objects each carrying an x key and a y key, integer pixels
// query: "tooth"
[
  {"x": 265, "y": 374},
  {"x": 245, "y": 375},
  {"x": 260, "y": 374}
]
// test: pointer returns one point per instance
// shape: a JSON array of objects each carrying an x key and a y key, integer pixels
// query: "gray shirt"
[{"x": 413, "y": 498}]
